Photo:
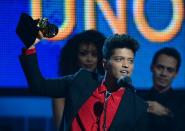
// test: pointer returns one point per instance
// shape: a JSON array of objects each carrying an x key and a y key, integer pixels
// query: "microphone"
[{"x": 126, "y": 82}]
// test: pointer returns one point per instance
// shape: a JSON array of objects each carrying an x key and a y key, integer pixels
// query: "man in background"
[{"x": 162, "y": 101}]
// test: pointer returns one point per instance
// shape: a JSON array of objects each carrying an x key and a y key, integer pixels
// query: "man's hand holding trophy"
[{"x": 31, "y": 31}]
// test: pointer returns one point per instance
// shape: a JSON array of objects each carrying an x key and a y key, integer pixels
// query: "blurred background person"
[
  {"x": 163, "y": 102},
  {"x": 81, "y": 51}
]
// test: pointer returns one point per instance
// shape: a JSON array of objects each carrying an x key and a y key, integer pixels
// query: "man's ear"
[{"x": 105, "y": 62}]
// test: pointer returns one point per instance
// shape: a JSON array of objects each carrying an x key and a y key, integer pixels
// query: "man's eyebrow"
[
  {"x": 130, "y": 58},
  {"x": 165, "y": 66}
]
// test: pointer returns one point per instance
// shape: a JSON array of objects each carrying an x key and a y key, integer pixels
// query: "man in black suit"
[
  {"x": 164, "y": 103},
  {"x": 94, "y": 103}
]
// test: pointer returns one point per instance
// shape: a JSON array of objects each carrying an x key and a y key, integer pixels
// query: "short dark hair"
[
  {"x": 68, "y": 59},
  {"x": 169, "y": 51},
  {"x": 119, "y": 41}
]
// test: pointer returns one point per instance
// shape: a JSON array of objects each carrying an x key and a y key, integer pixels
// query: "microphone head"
[{"x": 125, "y": 81}]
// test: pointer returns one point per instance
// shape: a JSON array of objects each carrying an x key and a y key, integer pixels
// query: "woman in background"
[{"x": 81, "y": 51}]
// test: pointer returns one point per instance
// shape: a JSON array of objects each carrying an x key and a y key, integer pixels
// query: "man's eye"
[
  {"x": 171, "y": 70},
  {"x": 117, "y": 59},
  {"x": 131, "y": 61},
  {"x": 159, "y": 67}
]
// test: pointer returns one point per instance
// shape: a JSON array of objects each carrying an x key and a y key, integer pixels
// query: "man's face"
[
  {"x": 120, "y": 64},
  {"x": 164, "y": 71}
]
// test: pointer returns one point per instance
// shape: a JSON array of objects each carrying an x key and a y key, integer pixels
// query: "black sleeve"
[{"x": 38, "y": 84}]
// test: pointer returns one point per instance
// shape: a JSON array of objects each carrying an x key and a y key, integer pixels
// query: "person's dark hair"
[
  {"x": 119, "y": 41},
  {"x": 169, "y": 51},
  {"x": 68, "y": 63}
]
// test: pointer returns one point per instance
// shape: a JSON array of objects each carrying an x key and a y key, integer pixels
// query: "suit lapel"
[
  {"x": 130, "y": 109},
  {"x": 87, "y": 82},
  {"x": 124, "y": 115}
]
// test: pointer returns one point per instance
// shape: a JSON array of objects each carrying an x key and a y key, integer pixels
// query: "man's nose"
[
  {"x": 125, "y": 64},
  {"x": 164, "y": 72}
]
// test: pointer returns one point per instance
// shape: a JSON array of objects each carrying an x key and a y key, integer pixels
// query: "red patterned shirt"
[{"x": 91, "y": 116}]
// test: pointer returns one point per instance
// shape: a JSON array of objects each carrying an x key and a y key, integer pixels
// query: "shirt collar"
[{"x": 102, "y": 88}]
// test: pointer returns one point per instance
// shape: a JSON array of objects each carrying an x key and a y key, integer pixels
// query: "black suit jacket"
[
  {"x": 170, "y": 100},
  {"x": 131, "y": 114}
]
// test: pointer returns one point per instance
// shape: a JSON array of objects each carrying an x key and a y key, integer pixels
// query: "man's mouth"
[
  {"x": 124, "y": 72},
  {"x": 162, "y": 80}
]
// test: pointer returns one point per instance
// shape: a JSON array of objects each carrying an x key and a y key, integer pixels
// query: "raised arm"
[
  {"x": 40, "y": 85},
  {"x": 31, "y": 34}
]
